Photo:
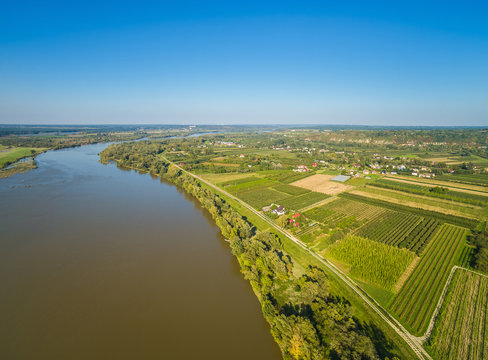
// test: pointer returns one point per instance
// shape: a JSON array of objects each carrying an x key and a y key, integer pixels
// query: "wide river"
[{"x": 101, "y": 263}]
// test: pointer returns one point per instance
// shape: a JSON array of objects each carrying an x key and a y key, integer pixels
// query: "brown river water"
[{"x": 101, "y": 263}]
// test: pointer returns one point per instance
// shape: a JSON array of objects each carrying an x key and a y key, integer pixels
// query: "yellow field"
[{"x": 321, "y": 183}]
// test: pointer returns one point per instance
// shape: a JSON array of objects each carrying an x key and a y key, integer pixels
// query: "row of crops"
[
  {"x": 371, "y": 261},
  {"x": 260, "y": 192},
  {"x": 461, "y": 329},
  {"x": 451, "y": 219},
  {"x": 416, "y": 300},
  {"x": 345, "y": 208},
  {"x": 403, "y": 230},
  {"x": 458, "y": 196}
]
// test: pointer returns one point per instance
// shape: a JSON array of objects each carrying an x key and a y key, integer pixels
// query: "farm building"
[{"x": 341, "y": 178}]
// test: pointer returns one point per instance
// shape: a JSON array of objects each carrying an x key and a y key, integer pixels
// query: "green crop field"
[
  {"x": 242, "y": 185},
  {"x": 461, "y": 329},
  {"x": 398, "y": 229},
  {"x": 262, "y": 197},
  {"x": 452, "y": 219},
  {"x": 412, "y": 188},
  {"x": 472, "y": 179},
  {"x": 307, "y": 199},
  {"x": 416, "y": 300},
  {"x": 371, "y": 261},
  {"x": 446, "y": 206},
  {"x": 290, "y": 189}
]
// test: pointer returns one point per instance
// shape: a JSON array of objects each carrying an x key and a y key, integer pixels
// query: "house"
[
  {"x": 393, "y": 173},
  {"x": 415, "y": 173},
  {"x": 241, "y": 156},
  {"x": 366, "y": 172},
  {"x": 314, "y": 164},
  {"x": 279, "y": 210}
]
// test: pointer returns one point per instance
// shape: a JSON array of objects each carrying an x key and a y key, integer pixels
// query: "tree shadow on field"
[{"x": 383, "y": 346}]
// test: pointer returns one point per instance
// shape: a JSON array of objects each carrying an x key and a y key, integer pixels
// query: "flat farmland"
[
  {"x": 415, "y": 302},
  {"x": 461, "y": 329},
  {"x": 321, "y": 183},
  {"x": 422, "y": 202},
  {"x": 473, "y": 189},
  {"x": 370, "y": 261}
]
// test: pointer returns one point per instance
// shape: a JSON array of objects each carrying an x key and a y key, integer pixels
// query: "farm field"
[
  {"x": 298, "y": 202},
  {"x": 416, "y": 300},
  {"x": 416, "y": 201},
  {"x": 478, "y": 179},
  {"x": 225, "y": 178},
  {"x": 421, "y": 189},
  {"x": 321, "y": 183},
  {"x": 461, "y": 329},
  {"x": 464, "y": 187},
  {"x": 342, "y": 208},
  {"x": 370, "y": 261},
  {"x": 442, "y": 217},
  {"x": 290, "y": 189},
  {"x": 259, "y": 198},
  {"x": 403, "y": 230}
]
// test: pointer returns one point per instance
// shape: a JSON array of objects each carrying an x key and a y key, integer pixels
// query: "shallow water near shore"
[{"x": 101, "y": 263}]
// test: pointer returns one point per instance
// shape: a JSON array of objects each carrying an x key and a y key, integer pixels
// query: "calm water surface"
[{"x": 100, "y": 263}]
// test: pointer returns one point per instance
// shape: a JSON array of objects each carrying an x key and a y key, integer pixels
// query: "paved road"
[{"x": 414, "y": 342}]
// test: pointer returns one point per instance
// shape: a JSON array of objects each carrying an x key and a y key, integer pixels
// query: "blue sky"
[{"x": 223, "y": 62}]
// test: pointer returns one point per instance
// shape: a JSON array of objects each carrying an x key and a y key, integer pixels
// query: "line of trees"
[{"x": 306, "y": 320}]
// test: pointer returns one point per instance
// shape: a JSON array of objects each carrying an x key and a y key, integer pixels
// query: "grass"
[
  {"x": 461, "y": 330},
  {"x": 370, "y": 261},
  {"x": 416, "y": 300},
  {"x": 9, "y": 156}
]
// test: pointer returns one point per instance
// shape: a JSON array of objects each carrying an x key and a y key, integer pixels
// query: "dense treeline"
[{"x": 306, "y": 320}]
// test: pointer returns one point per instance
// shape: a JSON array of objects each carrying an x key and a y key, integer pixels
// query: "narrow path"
[{"x": 411, "y": 340}]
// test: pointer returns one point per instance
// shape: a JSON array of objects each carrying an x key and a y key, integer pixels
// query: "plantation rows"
[
  {"x": 418, "y": 239},
  {"x": 416, "y": 300},
  {"x": 391, "y": 229},
  {"x": 298, "y": 202},
  {"x": 290, "y": 189},
  {"x": 308, "y": 229},
  {"x": 398, "y": 229},
  {"x": 371, "y": 261},
  {"x": 451, "y": 219},
  {"x": 461, "y": 330},
  {"x": 458, "y": 196}
]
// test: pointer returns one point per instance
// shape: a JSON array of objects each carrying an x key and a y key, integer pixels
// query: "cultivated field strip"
[
  {"x": 341, "y": 209},
  {"x": 398, "y": 229},
  {"x": 416, "y": 300},
  {"x": 461, "y": 330}
]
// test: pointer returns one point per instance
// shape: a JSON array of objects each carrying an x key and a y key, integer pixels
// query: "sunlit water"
[{"x": 100, "y": 263}]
